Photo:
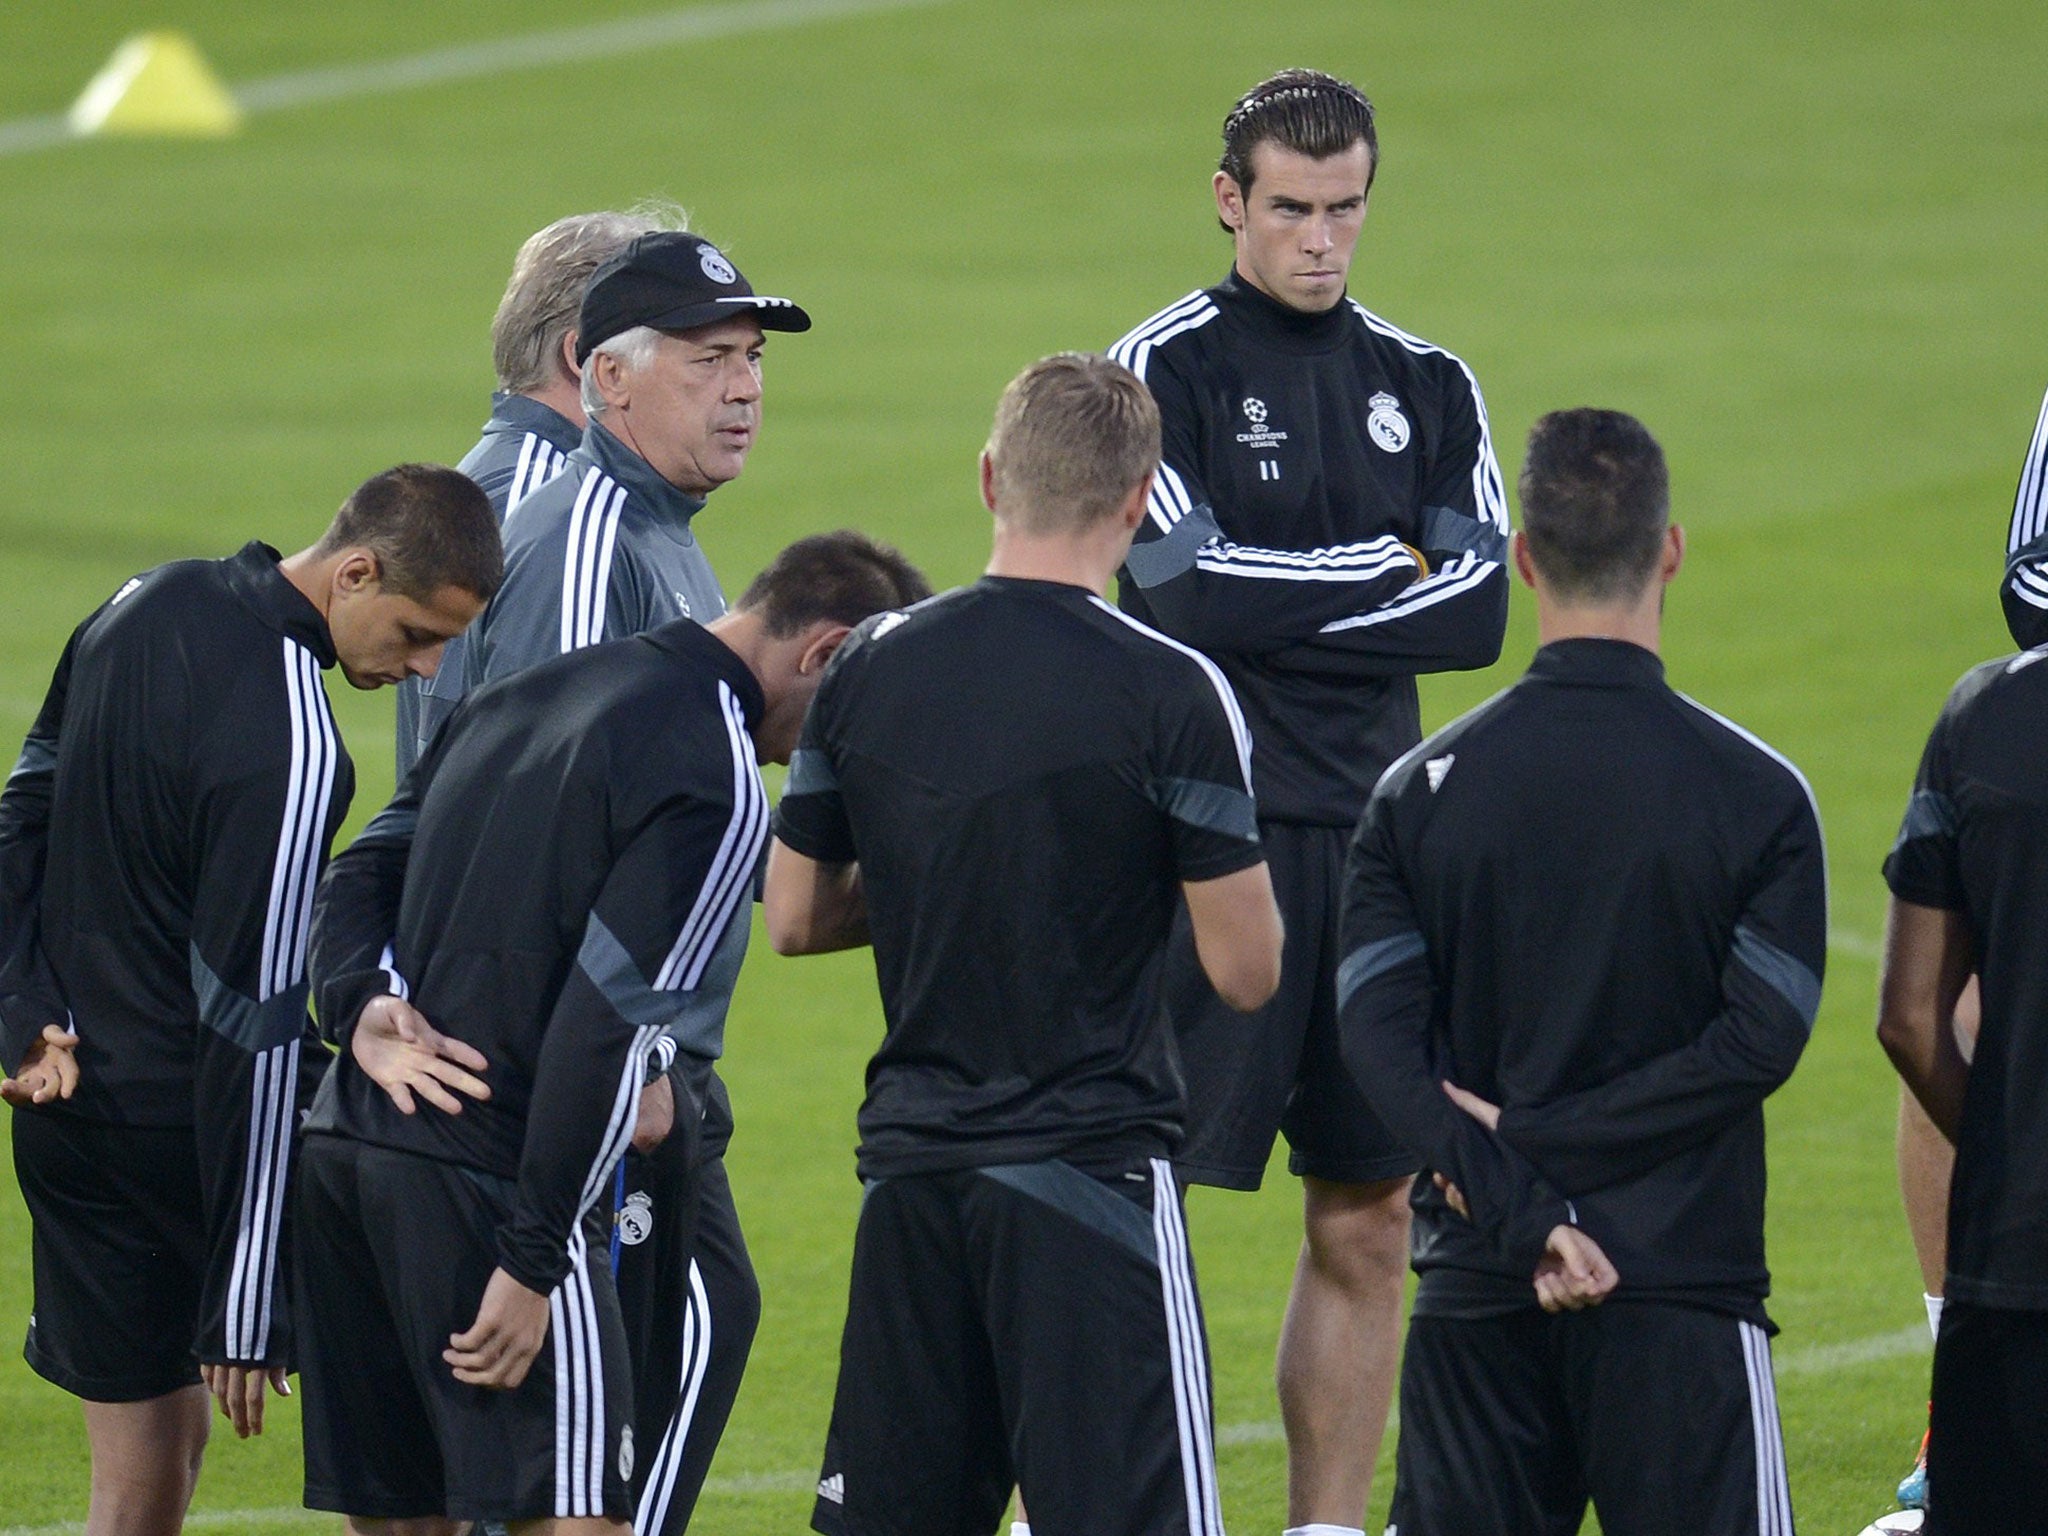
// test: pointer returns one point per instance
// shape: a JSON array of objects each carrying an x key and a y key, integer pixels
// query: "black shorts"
[
  {"x": 1664, "y": 1416},
  {"x": 1987, "y": 1454},
  {"x": 1279, "y": 1068},
  {"x": 119, "y": 1254},
  {"x": 391, "y": 1257},
  {"x": 1028, "y": 1325}
]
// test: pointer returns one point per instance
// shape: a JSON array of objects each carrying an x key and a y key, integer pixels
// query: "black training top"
[
  {"x": 1975, "y": 841},
  {"x": 565, "y": 877},
  {"x": 1025, "y": 776},
  {"x": 1302, "y": 452},
  {"x": 1603, "y": 908},
  {"x": 159, "y": 843}
]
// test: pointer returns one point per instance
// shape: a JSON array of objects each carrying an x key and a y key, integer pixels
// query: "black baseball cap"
[{"x": 673, "y": 282}]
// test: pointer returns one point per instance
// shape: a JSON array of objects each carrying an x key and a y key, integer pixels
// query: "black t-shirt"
[
  {"x": 1025, "y": 775},
  {"x": 1975, "y": 841}
]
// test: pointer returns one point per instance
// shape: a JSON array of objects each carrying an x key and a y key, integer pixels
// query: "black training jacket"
[
  {"x": 1603, "y": 908},
  {"x": 159, "y": 843},
  {"x": 1302, "y": 453},
  {"x": 566, "y": 877}
]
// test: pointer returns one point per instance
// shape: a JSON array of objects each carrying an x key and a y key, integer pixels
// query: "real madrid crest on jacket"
[{"x": 1308, "y": 459}]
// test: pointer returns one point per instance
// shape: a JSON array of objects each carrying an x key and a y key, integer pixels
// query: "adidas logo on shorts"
[{"x": 833, "y": 1489}]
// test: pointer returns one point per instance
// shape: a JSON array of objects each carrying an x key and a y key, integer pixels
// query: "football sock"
[
  {"x": 1020, "y": 1528},
  {"x": 1322, "y": 1530},
  {"x": 1933, "y": 1314}
]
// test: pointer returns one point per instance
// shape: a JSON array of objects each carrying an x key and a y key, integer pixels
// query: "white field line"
[
  {"x": 1854, "y": 945},
  {"x": 1809, "y": 1360},
  {"x": 471, "y": 61}
]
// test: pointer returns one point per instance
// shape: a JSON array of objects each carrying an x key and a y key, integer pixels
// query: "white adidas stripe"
[
  {"x": 731, "y": 875},
  {"x": 1488, "y": 492},
  {"x": 2030, "y": 502},
  {"x": 309, "y": 788},
  {"x": 1188, "y": 1354},
  {"x": 252, "y": 1273},
  {"x": 587, "y": 558},
  {"x": 1773, "y": 1491},
  {"x": 655, "y": 1498},
  {"x": 618, "y": 1131},
  {"x": 1461, "y": 575},
  {"x": 1135, "y": 349},
  {"x": 1239, "y": 731}
]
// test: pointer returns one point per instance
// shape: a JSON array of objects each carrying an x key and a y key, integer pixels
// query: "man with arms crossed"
[
  {"x": 1967, "y": 879},
  {"x": 566, "y": 875},
  {"x": 669, "y": 340},
  {"x": 1328, "y": 521},
  {"x": 1008, "y": 787},
  {"x": 159, "y": 842},
  {"x": 1584, "y": 929},
  {"x": 537, "y": 414}
]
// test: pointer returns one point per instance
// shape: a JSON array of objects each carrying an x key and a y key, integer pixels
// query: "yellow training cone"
[{"x": 157, "y": 83}]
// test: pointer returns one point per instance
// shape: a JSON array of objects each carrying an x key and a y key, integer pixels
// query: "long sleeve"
[
  {"x": 657, "y": 945},
  {"x": 29, "y": 995},
  {"x": 1222, "y": 596},
  {"x": 264, "y": 814},
  {"x": 1455, "y": 618},
  {"x": 2024, "y": 590},
  {"x": 1386, "y": 1006},
  {"x": 1770, "y": 993},
  {"x": 355, "y": 916}
]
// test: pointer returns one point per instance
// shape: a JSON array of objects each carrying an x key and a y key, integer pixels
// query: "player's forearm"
[
  {"x": 811, "y": 907},
  {"x": 355, "y": 916},
  {"x": 246, "y": 1120},
  {"x": 1452, "y": 622}
]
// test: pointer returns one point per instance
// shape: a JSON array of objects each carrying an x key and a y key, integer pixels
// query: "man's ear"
[
  {"x": 1525, "y": 567},
  {"x": 567, "y": 361},
  {"x": 358, "y": 571},
  {"x": 1229, "y": 200},
  {"x": 1674, "y": 552},
  {"x": 821, "y": 644}
]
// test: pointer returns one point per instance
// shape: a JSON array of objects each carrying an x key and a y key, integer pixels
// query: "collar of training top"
[
  {"x": 1280, "y": 325},
  {"x": 253, "y": 576},
  {"x": 1598, "y": 662},
  {"x": 523, "y": 413},
  {"x": 673, "y": 282},
  {"x": 670, "y": 507},
  {"x": 698, "y": 647}
]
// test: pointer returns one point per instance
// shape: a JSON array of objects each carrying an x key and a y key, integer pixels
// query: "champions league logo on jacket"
[
  {"x": 1386, "y": 425},
  {"x": 1261, "y": 435}
]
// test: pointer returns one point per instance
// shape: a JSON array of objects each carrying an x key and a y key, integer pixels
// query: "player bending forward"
[{"x": 1007, "y": 788}]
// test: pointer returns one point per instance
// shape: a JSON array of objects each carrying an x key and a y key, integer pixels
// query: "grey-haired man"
[{"x": 669, "y": 343}]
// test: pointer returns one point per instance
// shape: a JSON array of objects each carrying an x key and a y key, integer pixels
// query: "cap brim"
[{"x": 770, "y": 314}]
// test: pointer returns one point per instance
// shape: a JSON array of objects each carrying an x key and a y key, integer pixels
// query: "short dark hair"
[
  {"x": 1304, "y": 110},
  {"x": 1596, "y": 499},
  {"x": 429, "y": 527},
  {"x": 841, "y": 577}
]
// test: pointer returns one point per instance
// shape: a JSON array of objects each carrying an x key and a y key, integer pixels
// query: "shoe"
[
  {"x": 1913, "y": 1487},
  {"x": 1899, "y": 1522}
]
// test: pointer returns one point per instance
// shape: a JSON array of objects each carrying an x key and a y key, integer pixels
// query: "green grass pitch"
[{"x": 1803, "y": 241}]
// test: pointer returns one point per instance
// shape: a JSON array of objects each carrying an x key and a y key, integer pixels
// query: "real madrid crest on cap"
[
  {"x": 1386, "y": 425},
  {"x": 715, "y": 266}
]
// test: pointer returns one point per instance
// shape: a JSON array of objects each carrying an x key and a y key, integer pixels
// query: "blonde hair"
[{"x": 1074, "y": 434}]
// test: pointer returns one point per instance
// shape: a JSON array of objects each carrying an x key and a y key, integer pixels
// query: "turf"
[{"x": 1801, "y": 240}]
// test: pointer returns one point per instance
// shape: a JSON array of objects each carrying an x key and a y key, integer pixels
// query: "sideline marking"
[
  {"x": 1812, "y": 1359},
  {"x": 470, "y": 61}
]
